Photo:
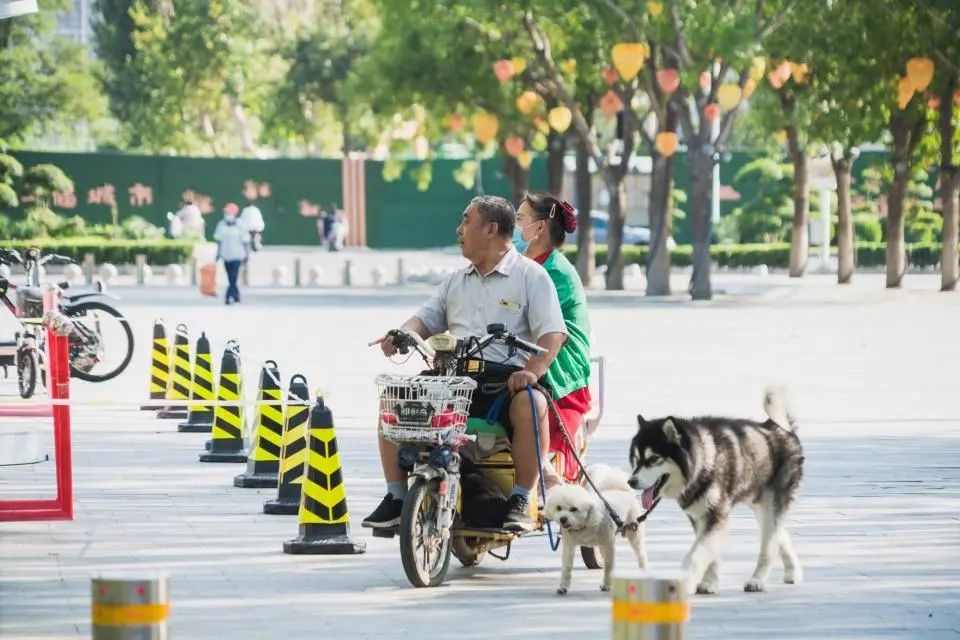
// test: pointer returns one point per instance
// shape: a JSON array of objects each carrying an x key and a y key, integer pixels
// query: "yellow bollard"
[
  {"x": 649, "y": 607},
  {"x": 128, "y": 608}
]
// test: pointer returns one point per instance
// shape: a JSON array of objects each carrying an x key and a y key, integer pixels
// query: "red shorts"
[{"x": 572, "y": 407}]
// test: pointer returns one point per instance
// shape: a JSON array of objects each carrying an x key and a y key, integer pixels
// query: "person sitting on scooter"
[
  {"x": 499, "y": 286},
  {"x": 543, "y": 222}
]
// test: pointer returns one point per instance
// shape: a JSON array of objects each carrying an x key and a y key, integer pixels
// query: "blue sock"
[
  {"x": 397, "y": 488},
  {"x": 520, "y": 491}
]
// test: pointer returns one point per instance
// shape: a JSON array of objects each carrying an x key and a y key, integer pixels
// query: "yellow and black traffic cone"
[
  {"x": 178, "y": 387},
  {"x": 227, "y": 442},
  {"x": 159, "y": 365},
  {"x": 200, "y": 417},
  {"x": 324, "y": 520},
  {"x": 293, "y": 454},
  {"x": 263, "y": 460}
]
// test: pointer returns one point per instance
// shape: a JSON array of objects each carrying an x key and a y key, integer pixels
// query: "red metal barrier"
[{"x": 58, "y": 381}]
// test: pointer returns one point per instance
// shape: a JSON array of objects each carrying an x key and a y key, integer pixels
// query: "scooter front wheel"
[
  {"x": 28, "y": 370},
  {"x": 425, "y": 555}
]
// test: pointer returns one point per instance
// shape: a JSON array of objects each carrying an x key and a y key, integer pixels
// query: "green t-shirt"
[{"x": 570, "y": 370}]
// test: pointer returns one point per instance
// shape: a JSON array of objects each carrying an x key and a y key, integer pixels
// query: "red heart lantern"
[
  {"x": 504, "y": 70},
  {"x": 610, "y": 104},
  {"x": 668, "y": 79},
  {"x": 513, "y": 146},
  {"x": 711, "y": 111},
  {"x": 609, "y": 75}
]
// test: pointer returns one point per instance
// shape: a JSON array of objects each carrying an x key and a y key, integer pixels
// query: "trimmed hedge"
[
  {"x": 114, "y": 251},
  {"x": 776, "y": 255}
]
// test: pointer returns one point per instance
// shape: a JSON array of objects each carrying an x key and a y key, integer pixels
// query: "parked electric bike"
[{"x": 101, "y": 345}]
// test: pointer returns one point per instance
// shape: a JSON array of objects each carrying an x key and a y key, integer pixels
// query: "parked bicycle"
[{"x": 101, "y": 345}]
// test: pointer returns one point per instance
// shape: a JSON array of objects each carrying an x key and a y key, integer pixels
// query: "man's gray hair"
[{"x": 496, "y": 209}]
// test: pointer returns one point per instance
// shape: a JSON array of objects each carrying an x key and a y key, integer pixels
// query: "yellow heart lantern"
[
  {"x": 524, "y": 159},
  {"x": 654, "y": 8},
  {"x": 541, "y": 125},
  {"x": 560, "y": 118},
  {"x": 628, "y": 59},
  {"x": 514, "y": 146},
  {"x": 504, "y": 70},
  {"x": 666, "y": 143},
  {"x": 569, "y": 66},
  {"x": 610, "y": 104},
  {"x": 781, "y": 136},
  {"x": 669, "y": 80},
  {"x": 799, "y": 72},
  {"x": 485, "y": 127},
  {"x": 774, "y": 79},
  {"x": 728, "y": 95},
  {"x": 757, "y": 68},
  {"x": 519, "y": 65},
  {"x": 527, "y": 102},
  {"x": 783, "y": 71},
  {"x": 920, "y": 72},
  {"x": 905, "y": 92}
]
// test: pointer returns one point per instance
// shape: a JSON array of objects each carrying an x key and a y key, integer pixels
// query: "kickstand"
[{"x": 504, "y": 556}]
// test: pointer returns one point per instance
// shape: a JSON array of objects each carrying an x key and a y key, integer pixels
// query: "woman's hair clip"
[{"x": 569, "y": 216}]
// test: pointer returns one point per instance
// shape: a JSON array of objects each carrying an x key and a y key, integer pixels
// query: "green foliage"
[
  {"x": 868, "y": 254},
  {"x": 867, "y": 227},
  {"x": 8, "y": 197},
  {"x": 767, "y": 216},
  {"x": 43, "y": 78},
  {"x": 38, "y": 222},
  {"x": 10, "y": 170},
  {"x": 40, "y": 181},
  {"x": 114, "y": 251}
]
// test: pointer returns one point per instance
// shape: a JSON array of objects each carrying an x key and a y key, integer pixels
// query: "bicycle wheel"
[
  {"x": 425, "y": 556},
  {"x": 28, "y": 370},
  {"x": 101, "y": 344}
]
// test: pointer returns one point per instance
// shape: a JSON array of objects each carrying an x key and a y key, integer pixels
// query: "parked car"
[{"x": 632, "y": 234}]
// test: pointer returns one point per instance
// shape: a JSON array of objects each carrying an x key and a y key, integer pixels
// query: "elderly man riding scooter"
[{"x": 499, "y": 286}]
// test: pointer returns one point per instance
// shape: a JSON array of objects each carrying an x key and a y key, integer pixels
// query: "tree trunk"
[
  {"x": 800, "y": 239},
  {"x": 949, "y": 266},
  {"x": 896, "y": 251},
  {"x": 949, "y": 185},
  {"x": 658, "y": 258},
  {"x": 701, "y": 171},
  {"x": 586, "y": 249},
  {"x": 518, "y": 177},
  {"x": 845, "y": 255},
  {"x": 618, "y": 205},
  {"x": 556, "y": 150}
]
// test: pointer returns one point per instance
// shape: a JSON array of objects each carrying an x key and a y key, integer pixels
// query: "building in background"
[{"x": 74, "y": 24}]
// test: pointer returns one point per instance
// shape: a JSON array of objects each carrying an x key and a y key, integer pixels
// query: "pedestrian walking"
[{"x": 233, "y": 247}]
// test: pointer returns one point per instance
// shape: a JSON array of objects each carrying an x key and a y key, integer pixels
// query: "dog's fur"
[
  {"x": 708, "y": 465},
  {"x": 586, "y": 522}
]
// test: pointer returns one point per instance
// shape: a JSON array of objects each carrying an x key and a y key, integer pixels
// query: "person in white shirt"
[
  {"x": 233, "y": 247},
  {"x": 190, "y": 217},
  {"x": 252, "y": 221},
  {"x": 499, "y": 286}
]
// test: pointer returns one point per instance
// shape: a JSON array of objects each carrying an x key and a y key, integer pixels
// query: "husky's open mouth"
[{"x": 651, "y": 494}]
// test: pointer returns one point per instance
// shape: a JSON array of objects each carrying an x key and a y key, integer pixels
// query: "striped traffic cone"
[
  {"x": 263, "y": 460},
  {"x": 227, "y": 442},
  {"x": 159, "y": 365},
  {"x": 200, "y": 418},
  {"x": 324, "y": 520},
  {"x": 293, "y": 453},
  {"x": 178, "y": 387}
]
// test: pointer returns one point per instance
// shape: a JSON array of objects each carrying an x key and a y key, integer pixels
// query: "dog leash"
[{"x": 501, "y": 389}]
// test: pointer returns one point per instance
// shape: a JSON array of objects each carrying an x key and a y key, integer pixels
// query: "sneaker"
[
  {"x": 518, "y": 514},
  {"x": 386, "y": 515}
]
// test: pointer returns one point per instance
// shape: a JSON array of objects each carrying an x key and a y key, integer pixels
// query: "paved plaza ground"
[{"x": 873, "y": 374}]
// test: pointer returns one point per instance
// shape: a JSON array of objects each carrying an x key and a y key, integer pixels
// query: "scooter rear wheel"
[
  {"x": 425, "y": 556},
  {"x": 28, "y": 370}
]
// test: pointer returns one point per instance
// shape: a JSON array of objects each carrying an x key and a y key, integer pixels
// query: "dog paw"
[
  {"x": 793, "y": 577},
  {"x": 753, "y": 586},
  {"x": 562, "y": 591},
  {"x": 706, "y": 589},
  {"x": 604, "y": 587}
]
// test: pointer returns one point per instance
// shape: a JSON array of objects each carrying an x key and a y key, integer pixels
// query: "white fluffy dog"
[{"x": 587, "y": 523}]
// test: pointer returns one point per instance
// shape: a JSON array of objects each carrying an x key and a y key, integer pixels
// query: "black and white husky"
[{"x": 708, "y": 465}]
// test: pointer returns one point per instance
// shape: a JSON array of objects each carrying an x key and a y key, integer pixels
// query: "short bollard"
[
  {"x": 141, "y": 261},
  {"x": 347, "y": 273},
  {"x": 129, "y": 608},
  {"x": 401, "y": 273},
  {"x": 649, "y": 607},
  {"x": 88, "y": 267},
  {"x": 297, "y": 268}
]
